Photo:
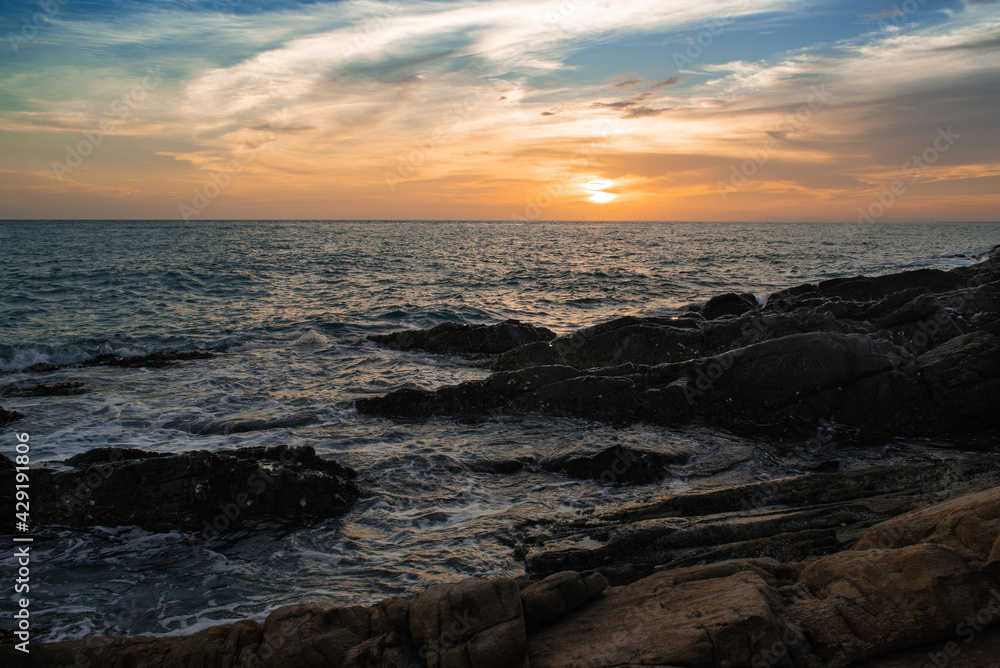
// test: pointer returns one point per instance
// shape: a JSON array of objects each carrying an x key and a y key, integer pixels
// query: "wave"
[{"x": 222, "y": 427}]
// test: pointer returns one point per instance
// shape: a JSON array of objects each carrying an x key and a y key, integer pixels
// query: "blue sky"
[{"x": 485, "y": 109}]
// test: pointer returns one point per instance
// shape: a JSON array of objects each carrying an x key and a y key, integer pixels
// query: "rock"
[
  {"x": 151, "y": 361},
  {"x": 728, "y": 304},
  {"x": 475, "y": 623},
  {"x": 850, "y": 379},
  {"x": 45, "y": 390},
  {"x": 547, "y": 601},
  {"x": 474, "y": 397},
  {"x": 789, "y": 519},
  {"x": 192, "y": 490},
  {"x": 618, "y": 464},
  {"x": 833, "y": 611},
  {"x": 450, "y": 337},
  {"x": 913, "y": 588},
  {"x": 968, "y": 525},
  {"x": 231, "y": 645},
  {"x": 865, "y": 288},
  {"x": 41, "y": 367},
  {"x": 711, "y": 616},
  {"x": 6, "y": 416},
  {"x": 858, "y": 605},
  {"x": 960, "y": 652},
  {"x": 652, "y": 341},
  {"x": 962, "y": 377}
]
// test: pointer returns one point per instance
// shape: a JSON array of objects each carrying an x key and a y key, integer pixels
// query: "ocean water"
[{"x": 289, "y": 304}]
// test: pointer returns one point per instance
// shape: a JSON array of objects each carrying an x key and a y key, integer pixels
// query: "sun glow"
[
  {"x": 596, "y": 188},
  {"x": 601, "y": 198}
]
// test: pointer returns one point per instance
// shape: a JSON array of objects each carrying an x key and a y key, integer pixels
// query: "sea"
[{"x": 288, "y": 306}]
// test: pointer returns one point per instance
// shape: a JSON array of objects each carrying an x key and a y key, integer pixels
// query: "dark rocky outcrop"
[
  {"x": 789, "y": 519},
  {"x": 41, "y": 367},
  {"x": 45, "y": 390},
  {"x": 6, "y": 416},
  {"x": 728, "y": 304},
  {"x": 652, "y": 341},
  {"x": 617, "y": 464},
  {"x": 451, "y": 337},
  {"x": 151, "y": 361},
  {"x": 851, "y": 379},
  {"x": 197, "y": 490},
  {"x": 872, "y": 353},
  {"x": 892, "y": 592}
]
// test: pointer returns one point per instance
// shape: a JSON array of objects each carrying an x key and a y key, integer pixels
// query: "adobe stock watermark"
[
  {"x": 247, "y": 152},
  {"x": 31, "y": 26},
  {"x": 913, "y": 168},
  {"x": 119, "y": 111},
  {"x": 819, "y": 97}
]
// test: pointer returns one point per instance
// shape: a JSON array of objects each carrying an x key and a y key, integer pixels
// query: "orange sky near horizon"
[{"x": 721, "y": 110}]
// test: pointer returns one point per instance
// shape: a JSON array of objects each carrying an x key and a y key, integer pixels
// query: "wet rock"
[
  {"x": 618, "y": 464},
  {"x": 962, "y": 378},
  {"x": 192, "y": 490},
  {"x": 45, "y": 390},
  {"x": 450, "y": 337},
  {"x": 851, "y": 379},
  {"x": 151, "y": 361},
  {"x": 547, "y": 601},
  {"x": 503, "y": 466},
  {"x": 41, "y": 367},
  {"x": 474, "y": 397},
  {"x": 6, "y": 416},
  {"x": 728, "y": 304},
  {"x": 873, "y": 288},
  {"x": 790, "y": 519},
  {"x": 654, "y": 341}
]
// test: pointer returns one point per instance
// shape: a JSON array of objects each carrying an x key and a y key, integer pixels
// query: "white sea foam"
[{"x": 311, "y": 338}]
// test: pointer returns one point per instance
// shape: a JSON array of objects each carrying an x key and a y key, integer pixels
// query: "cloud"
[
  {"x": 623, "y": 104},
  {"x": 629, "y": 108},
  {"x": 642, "y": 112},
  {"x": 669, "y": 81}
]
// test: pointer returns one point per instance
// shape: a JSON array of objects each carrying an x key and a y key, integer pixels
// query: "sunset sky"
[{"x": 517, "y": 109}]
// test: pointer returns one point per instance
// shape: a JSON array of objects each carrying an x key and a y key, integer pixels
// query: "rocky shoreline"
[
  {"x": 892, "y": 565},
  {"x": 916, "y": 352},
  {"x": 825, "y": 570}
]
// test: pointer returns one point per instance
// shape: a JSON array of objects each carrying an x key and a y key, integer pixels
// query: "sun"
[{"x": 596, "y": 190}]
